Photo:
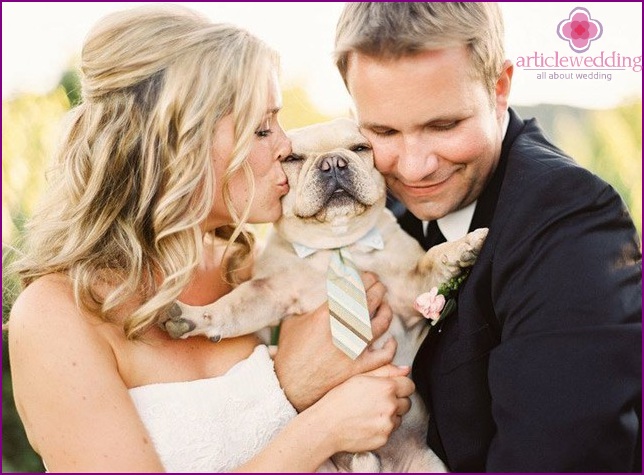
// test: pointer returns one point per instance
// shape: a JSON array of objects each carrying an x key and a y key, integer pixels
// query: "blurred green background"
[{"x": 608, "y": 142}]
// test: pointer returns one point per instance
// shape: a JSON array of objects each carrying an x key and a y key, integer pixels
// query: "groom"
[{"x": 539, "y": 369}]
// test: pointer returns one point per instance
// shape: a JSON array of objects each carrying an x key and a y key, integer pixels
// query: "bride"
[{"x": 176, "y": 144}]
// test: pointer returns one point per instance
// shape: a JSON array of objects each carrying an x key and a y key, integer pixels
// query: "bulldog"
[{"x": 337, "y": 200}]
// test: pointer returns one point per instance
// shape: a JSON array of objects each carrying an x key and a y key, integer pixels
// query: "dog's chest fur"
[{"x": 392, "y": 263}]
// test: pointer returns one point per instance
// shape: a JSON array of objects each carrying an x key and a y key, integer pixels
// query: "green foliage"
[
  {"x": 449, "y": 289},
  {"x": 70, "y": 82}
]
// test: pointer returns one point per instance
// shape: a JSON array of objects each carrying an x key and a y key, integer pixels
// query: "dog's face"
[{"x": 336, "y": 194}]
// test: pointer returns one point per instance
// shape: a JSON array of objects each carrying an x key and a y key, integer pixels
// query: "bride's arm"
[{"x": 356, "y": 416}]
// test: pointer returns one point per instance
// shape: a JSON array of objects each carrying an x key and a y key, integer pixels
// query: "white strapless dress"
[{"x": 215, "y": 424}]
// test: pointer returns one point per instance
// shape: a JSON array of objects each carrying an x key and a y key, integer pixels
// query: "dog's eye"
[
  {"x": 360, "y": 148},
  {"x": 293, "y": 158}
]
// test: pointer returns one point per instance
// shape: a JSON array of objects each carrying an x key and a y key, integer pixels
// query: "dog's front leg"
[{"x": 250, "y": 307}]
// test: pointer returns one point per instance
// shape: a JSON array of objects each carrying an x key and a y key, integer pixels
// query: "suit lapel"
[{"x": 486, "y": 203}]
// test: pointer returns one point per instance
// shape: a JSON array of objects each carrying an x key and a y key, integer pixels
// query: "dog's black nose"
[{"x": 333, "y": 164}]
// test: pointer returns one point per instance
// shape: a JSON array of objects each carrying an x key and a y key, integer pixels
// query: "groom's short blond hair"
[{"x": 390, "y": 30}]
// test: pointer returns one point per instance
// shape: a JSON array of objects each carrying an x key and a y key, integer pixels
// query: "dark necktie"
[{"x": 433, "y": 235}]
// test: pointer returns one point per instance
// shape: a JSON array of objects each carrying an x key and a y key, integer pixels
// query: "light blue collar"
[{"x": 371, "y": 240}]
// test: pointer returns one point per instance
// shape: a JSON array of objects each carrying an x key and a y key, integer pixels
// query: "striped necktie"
[{"x": 350, "y": 322}]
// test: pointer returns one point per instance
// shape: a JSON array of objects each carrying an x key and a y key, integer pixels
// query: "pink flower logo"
[{"x": 579, "y": 30}]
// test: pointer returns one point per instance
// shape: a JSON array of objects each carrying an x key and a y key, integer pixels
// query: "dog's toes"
[
  {"x": 178, "y": 327},
  {"x": 477, "y": 238},
  {"x": 471, "y": 246},
  {"x": 452, "y": 257},
  {"x": 462, "y": 255},
  {"x": 467, "y": 257},
  {"x": 457, "y": 255}
]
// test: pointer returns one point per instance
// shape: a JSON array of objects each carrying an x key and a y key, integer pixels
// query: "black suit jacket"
[{"x": 539, "y": 369}]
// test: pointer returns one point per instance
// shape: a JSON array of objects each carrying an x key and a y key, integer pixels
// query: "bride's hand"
[
  {"x": 307, "y": 362},
  {"x": 362, "y": 412}
]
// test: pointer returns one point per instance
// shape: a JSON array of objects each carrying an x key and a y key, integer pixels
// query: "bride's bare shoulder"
[
  {"x": 44, "y": 295},
  {"x": 48, "y": 305}
]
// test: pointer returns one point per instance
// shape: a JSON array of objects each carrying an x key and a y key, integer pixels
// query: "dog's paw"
[
  {"x": 465, "y": 250},
  {"x": 183, "y": 321},
  {"x": 449, "y": 259},
  {"x": 173, "y": 323}
]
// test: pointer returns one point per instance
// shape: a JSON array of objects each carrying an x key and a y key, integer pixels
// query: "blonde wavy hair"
[
  {"x": 134, "y": 177},
  {"x": 392, "y": 30}
]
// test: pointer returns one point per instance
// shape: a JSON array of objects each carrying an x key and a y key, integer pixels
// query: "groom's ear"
[{"x": 502, "y": 88}]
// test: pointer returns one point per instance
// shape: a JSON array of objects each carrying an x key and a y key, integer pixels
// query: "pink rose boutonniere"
[
  {"x": 430, "y": 304},
  {"x": 439, "y": 302}
]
